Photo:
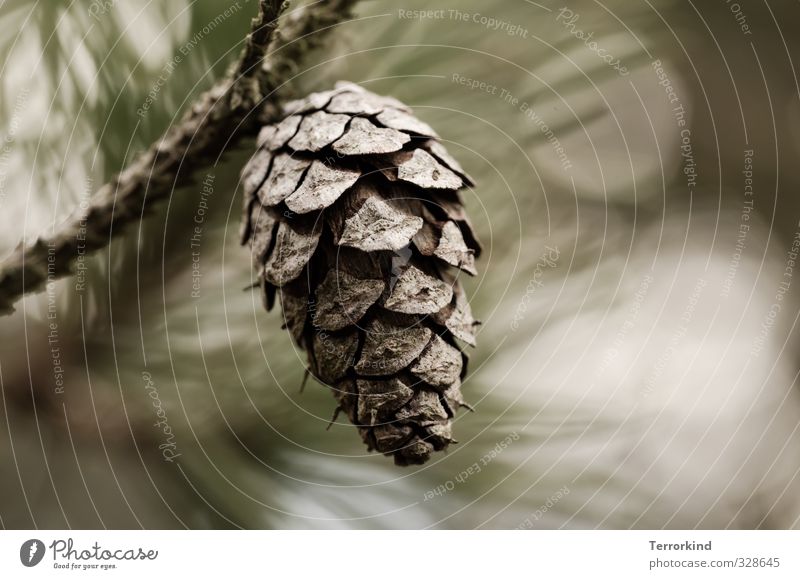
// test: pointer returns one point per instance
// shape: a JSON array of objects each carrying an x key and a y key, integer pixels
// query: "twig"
[
  {"x": 217, "y": 121},
  {"x": 262, "y": 31}
]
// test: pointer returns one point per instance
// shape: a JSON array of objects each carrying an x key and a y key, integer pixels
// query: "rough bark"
[{"x": 231, "y": 110}]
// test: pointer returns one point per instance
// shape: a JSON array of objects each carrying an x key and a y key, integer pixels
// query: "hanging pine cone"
[{"x": 353, "y": 217}]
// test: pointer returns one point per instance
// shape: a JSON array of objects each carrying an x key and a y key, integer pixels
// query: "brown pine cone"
[{"x": 353, "y": 217}]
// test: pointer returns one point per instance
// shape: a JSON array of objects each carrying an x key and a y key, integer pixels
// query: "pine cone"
[{"x": 351, "y": 210}]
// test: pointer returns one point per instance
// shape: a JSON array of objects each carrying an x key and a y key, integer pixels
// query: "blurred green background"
[{"x": 625, "y": 376}]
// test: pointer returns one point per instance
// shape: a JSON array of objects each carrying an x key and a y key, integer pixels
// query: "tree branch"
[{"x": 217, "y": 121}]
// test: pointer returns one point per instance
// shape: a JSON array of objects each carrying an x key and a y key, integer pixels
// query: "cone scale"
[{"x": 355, "y": 224}]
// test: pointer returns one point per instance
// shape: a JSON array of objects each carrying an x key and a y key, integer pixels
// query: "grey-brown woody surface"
[
  {"x": 353, "y": 217},
  {"x": 213, "y": 124}
]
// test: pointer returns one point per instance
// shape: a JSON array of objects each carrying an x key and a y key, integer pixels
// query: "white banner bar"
[{"x": 400, "y": 554}]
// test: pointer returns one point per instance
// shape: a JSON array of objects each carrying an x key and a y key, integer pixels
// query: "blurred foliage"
[{"x": 254, "y": 450}]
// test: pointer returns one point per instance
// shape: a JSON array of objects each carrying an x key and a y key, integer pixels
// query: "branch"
[
  {"x": 217, "y": 121},
  {"x": 262, "y": 32}
]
